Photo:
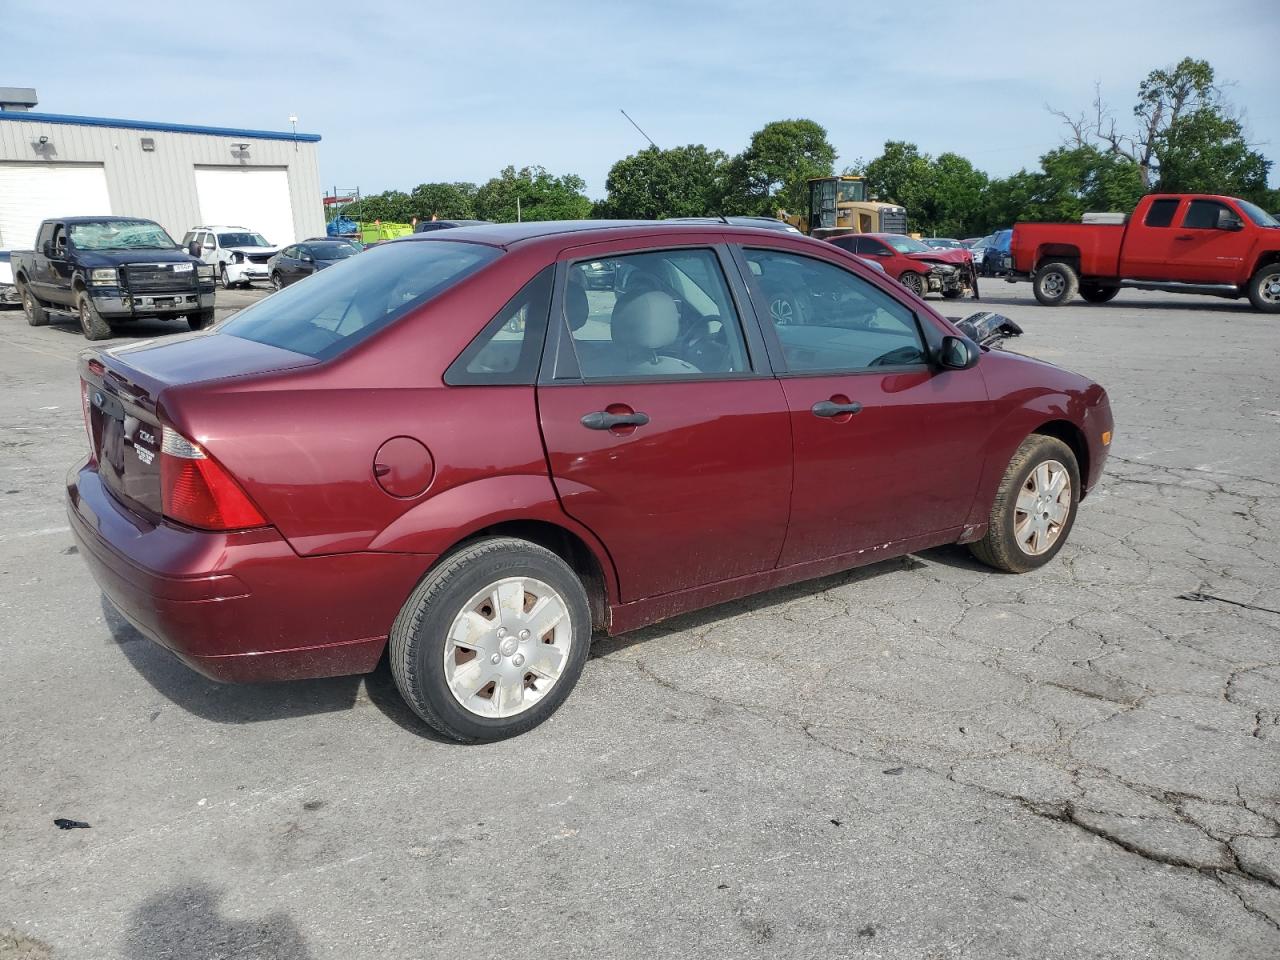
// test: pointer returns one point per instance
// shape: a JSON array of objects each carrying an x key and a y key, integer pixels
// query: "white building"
[{"x": 179, "y": 175}]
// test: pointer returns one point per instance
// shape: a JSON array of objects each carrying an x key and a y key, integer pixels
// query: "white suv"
[{"x": 239, "y": 256}]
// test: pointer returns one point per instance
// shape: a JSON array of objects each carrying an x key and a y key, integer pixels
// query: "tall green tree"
[
  {"x": 541, "y": 195},
  {"x": 772, "y": 172},
  {"x": 1184, "y": 135},
  {"x": 444, "y": 201},
  {"x": 684, "y": 181},
  {"x": 902, "y": 174}
]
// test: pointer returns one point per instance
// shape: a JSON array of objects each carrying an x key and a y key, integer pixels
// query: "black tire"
[
  {"x": 417, "y": 642},
  {"x": 92, "y": 324},
  {"x": 1056, "y": 283},
  {"x": 1000, "y": 547},
  {"x": 277, "y": 281},
  {"x": 1095, "y": 293},
  {"x": 37, "y": 316},
  {"x": 914, "y": 282},
  {"x": 1264, "y": 288},
  {"x": 953, "y": 294},
  {"x": 198, "y": 321}
]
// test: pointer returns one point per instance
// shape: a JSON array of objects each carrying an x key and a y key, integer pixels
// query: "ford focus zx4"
[{"x": 463, "y": 450}]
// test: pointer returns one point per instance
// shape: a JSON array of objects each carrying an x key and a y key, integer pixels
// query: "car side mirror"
[
  {"x": 957, "y": 353},
  {"x": 308, "y": 258},
  {"x": 1229, "y": 221}
]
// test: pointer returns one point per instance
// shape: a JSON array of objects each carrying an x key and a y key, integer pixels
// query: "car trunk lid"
[{"x": 122, "y": 393}]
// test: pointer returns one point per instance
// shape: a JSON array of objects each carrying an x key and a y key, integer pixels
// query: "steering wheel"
[{"x": 897, "y": 357}]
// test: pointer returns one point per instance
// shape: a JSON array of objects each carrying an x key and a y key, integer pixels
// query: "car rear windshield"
[{"x": 336, "y": 308}]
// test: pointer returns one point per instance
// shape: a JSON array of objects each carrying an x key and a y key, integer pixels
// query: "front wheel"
[
  {"x": 1094, "y": 293},
  {"x": 92, "y": 324},
  {"x": 277, "y": 281},
  {"x": 37, "y": 316},
  {"x": 492, "y": 641},
  {"x": 1264, "y": 289},
  {"x": 913, "y": 282},
  {"x": 1055, "y": 283},
  {"x": 1034, "y": 507},
  {"x": 222, "y": 275},
  {"x": 198, "y": 321}
]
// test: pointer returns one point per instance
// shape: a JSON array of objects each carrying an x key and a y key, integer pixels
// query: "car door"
[
  {"x": 1150, "y": 246},
  {"x": 885, "y": 442},
  {"x": 665, "y": 431},
  {"x": 288, "y": 264},
  {"x": 1208, "y": 247},
  {"x": 306, "y": 261},
  {"x": 883, "y": 254}
]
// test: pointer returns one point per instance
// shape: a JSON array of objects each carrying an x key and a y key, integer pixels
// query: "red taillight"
[
  {"x": 88, "y": 419},
  {"x": 196, "y": 491}
]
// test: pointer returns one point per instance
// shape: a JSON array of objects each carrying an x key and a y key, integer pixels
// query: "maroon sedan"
[
  {"x": 452, "y": 447},
  {"x": 918, "y": 267}
]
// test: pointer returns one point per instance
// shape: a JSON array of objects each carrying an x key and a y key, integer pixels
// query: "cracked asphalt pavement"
[{"x": 919, "y": 759}]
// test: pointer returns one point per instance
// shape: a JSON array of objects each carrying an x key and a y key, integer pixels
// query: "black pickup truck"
[{"x": 109, "y": 270}]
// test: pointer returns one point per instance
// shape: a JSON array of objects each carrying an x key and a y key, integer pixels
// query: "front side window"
[
  {"x": 341, "y": 305},
  {"x": 1204, "y": 214},
  {"x": 827, "y": 319},
  {"x": 659, "y": 314},
  {"x": 1161, "y": 213},
  {"x": 110, "y": 234}
]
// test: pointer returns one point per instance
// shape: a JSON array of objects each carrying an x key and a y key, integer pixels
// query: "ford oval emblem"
[{"x": 98, "y": 398}]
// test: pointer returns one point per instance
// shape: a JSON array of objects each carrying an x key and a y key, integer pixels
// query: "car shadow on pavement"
[
  {"x": 226, "y": 702},
  {"x": 184, "y": 922}
]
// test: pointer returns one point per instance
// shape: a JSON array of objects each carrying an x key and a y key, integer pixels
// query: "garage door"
[
  {"x": 31, "y": 192},
  {"x": 251, "y": 197}
]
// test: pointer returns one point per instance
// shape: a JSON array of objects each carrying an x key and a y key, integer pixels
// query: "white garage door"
[
  {"x": 31, "y": 192},
  {"x": 253, "y": 198}
]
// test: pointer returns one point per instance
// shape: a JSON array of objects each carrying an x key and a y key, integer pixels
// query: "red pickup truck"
[{"x": 1189, "y": 243}]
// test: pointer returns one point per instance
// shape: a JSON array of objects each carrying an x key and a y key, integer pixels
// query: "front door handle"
[
  {"x": 829, "y": 408},
  {"x": 1185, "y": 236},
  {"x": 604, "y": 420}
]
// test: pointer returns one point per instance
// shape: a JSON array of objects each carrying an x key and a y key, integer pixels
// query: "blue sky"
[{"x": 409, "y": 92}]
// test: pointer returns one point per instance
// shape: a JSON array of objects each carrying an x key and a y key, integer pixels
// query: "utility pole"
[{"x": 518, "y": 209}]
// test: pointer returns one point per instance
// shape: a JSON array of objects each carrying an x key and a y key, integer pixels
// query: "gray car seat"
[{"x": 645, "y": 325}]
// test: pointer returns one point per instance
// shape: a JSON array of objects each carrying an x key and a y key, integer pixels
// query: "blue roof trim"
[{"x": 151, "y": 125}]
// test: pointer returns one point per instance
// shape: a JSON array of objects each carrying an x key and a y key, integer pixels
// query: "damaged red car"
[
  {"x": 456, "y": 450},
  {"x": 918, "y": 267}
]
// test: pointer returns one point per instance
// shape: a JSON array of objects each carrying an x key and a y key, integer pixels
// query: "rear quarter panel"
[{"x": 1096, "y": 246}]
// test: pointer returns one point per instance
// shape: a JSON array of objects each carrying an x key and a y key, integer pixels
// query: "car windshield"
[
  {"x": 120, "y": 235},
  {"x": 939, "y": 244},
  {"x": 242, "y": 240},
  {"x": 332, "y": 251},
  {"x": 1258, "y": 215},
  {"x": 852, "y": 191},
  {"x": 340, "y": 306},
  {"x": 907, "y": 245}
]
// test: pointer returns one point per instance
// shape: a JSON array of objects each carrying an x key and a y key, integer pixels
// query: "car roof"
[
  {"x": 104, "y": 216},
  {"x": 508, "y": 235}
]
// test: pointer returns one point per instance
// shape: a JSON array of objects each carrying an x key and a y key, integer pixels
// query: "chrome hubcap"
[
  {"x": 507, "y": 647},
  {"x": 1044, "y": 503},
  {"x": 1270, "y": 288},
  {"x": 1054, "y": 284}
]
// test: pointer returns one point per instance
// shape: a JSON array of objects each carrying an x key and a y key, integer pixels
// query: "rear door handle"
[
  {"x": 829, "y": 408},
  {"x": 604, "y": 420}
]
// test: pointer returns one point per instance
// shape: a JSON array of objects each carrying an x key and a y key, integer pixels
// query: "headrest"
[
  {"x": 576, "y": 307},
  {"x": 650, "y": 320}
]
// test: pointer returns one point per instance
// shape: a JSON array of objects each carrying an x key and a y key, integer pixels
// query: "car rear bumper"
[{"x": 239, "y": 606}]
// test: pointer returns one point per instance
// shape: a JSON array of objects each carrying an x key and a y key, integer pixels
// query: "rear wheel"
[
  {"x": 92, "y": 324},
  {"x": 1034, "y": 507},
  {"x": 492, "y": 641},
  {"x": 1055, "y": 283},
  {"x": 37, "y": 316},
  {"x": 198, "y": 321},
  {"x": 1264, "y": 289},
  {"x": 1096, "y": 293},
  {"x": 913, "y": 282}
]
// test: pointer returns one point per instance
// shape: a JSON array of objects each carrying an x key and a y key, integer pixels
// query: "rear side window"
[
  {"x": 340, "y": 306},
  {"x": 508, "y": 349},
  {"x": 1161, "y": 213}
]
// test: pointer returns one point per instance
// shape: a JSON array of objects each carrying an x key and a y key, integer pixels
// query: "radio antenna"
[{"x": 637, "y": 126}]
